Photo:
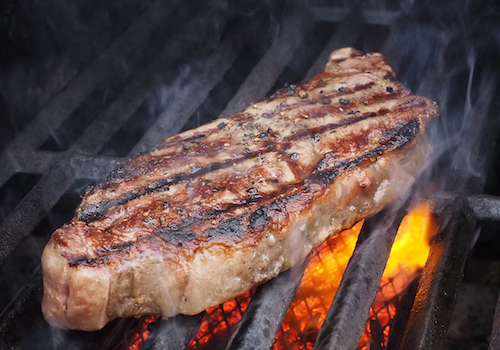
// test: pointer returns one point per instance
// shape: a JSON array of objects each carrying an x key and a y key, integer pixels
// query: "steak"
[{"x": 211, "y": 212}]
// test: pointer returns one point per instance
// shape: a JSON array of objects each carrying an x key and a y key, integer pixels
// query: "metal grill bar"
[
  {"x": 189, "y": 92},
  {"x": 338, "y": 14},
  {"x": 16, "y": 319},
  {"x": 29, "y": 161},
  {"x": 174, "y": 333},
  {"x": 440, "y": 282},
  {"x": 483, "y": 206},
  {"x": 68, "y": 100},
  {"x": 261, "y": 321},
  {"x": 349, "y": 311},
  {"x": 495, "y": 332},
  {"x": 265, "y": 73}
]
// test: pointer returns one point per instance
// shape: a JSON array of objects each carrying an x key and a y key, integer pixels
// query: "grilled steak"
[{"x": 213, "y": 211}]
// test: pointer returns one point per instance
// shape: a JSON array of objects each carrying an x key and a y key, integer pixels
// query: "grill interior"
[{"x": 88, "y": 85}]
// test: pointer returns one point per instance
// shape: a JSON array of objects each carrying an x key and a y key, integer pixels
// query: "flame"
[
  {"x": 408, "y": 255},
  {"x": 411, "y": 247},
  {"x": 322, "y": 277}
]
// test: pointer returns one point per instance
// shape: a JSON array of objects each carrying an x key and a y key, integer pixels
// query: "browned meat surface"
[{"x": 213, "y": 211}]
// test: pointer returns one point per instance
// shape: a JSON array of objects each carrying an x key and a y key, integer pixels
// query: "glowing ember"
[
  {"x": 219, "y": 322},
  {"x": 408, "y": 255},
  {"x": 308, "y": 310},
  {"x": 140, "y": 337}
]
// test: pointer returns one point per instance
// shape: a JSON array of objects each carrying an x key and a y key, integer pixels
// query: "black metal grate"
[{"x": 174, "y": 65}]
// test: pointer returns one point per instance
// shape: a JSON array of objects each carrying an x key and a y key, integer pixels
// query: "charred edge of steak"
[
  {"x": 231, "y": 228},
  {"x": 177, "y": 237},
  {"x": 177, "y": 140},
  {"x": 94, "y": 212},
  {"x": 83, "y": 260},
  {"x": 258, "y": 220},
  {"x": 395, "y": 138},
  {"x": 228, "y": 228},
  {"x": 97, "y": 211}
]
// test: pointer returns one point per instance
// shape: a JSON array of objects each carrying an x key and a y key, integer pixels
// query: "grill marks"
[
  {"x": 96, "y": 211},
  {"x": 321, "y": 98},
  {"x": 228, "y": 224},
  {"x": 393, "y": 139},
  {"x": 147, "y": 164},
  {"x": 329, "y": 127},
  {"x": 199, "y": 162}
]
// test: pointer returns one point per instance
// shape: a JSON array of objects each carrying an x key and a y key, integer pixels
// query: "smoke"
[{"x": 451, "y": 59}]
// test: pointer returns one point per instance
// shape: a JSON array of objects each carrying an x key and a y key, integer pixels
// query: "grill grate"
[
  {"x": 179, "y": 64},
  {"x": 220, "y": 322}
]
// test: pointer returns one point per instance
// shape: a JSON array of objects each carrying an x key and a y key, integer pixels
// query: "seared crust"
[{"x": 213, "y": 211}]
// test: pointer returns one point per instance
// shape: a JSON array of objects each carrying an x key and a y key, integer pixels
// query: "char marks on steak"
[{"x": 213, "y": 211}]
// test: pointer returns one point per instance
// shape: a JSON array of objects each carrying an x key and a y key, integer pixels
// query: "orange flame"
[
  {"x": 322, "y": 277},
  {"x": 411, "y": 247},
  {"x": 408, "y": 255}
]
